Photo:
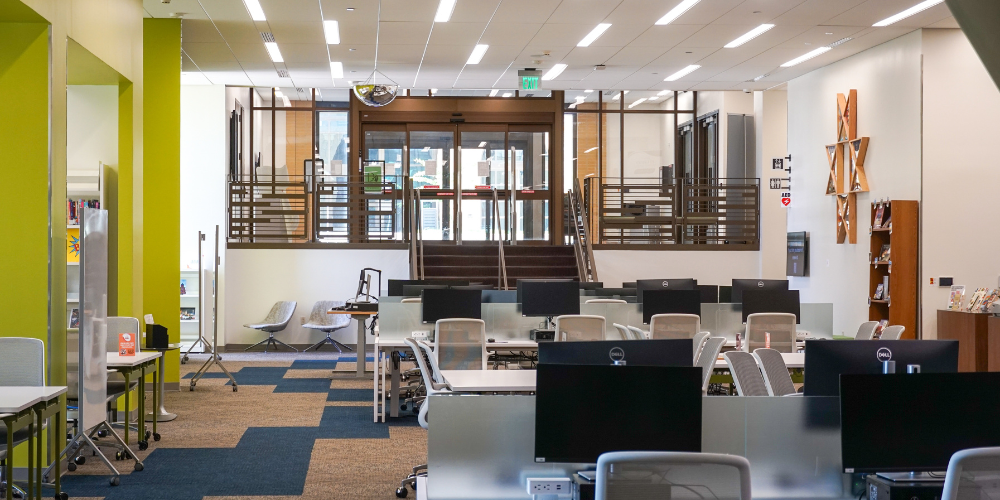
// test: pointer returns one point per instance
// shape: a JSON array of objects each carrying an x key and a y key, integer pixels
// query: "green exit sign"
[{"x": 530, "y": 79}]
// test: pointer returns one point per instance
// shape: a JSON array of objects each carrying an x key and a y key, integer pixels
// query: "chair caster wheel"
[
  {"x": 402, "y": 407},
  {"x": 401, "y": 492},
  {"x": 234, "y": 388},
  {"x": 102, "y": 433},
  {"x": 62, "y": 496},
  {"x": 71, "y": 467},
  {"x": 184, "y": 360},
  {"x": 139, "y": 466},
  {"x": 115, "y": 481},
  {"x": 148, "y": 434},
  {"x": 80, "y": 460},
  {"x": 156, "y": 436},
  {"x": 143, "y": 445}
]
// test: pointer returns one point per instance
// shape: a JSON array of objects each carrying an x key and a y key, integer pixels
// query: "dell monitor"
[
  {"x": 655, "y": 352},
  {"x": 448, "y": 303},
  {"x": 826, "y": 360},
  {"x": 771, "y": 301},
  {"x": 709, "y": 293},
  {"x": 549, "y": 298},
  {"x": 664, "y": 284},
  {"x": 590, "y": 285},
  {"x": 615, "y": 292},
  {"x": 520, "y": 288},
  {"x": 670, "y": 302},
  {"x": 395, "y": 288},
  {"x": 906, "y": 423},
  {"x": 739, "y": 285},
  {"x": 583, "y": 411}
]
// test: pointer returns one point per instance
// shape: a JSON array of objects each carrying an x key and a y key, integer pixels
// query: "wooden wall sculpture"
[{"x": 846, "y": 160}]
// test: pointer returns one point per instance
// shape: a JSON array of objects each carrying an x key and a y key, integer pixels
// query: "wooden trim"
[
  {"x": 556, "y": 173},
  {"x": 317, "y": 246}
]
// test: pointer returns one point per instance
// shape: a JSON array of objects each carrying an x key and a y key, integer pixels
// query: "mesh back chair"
[
  {"x": 707, "y": 357},
  {"x": 867, "y": 330},
  {"x": 320, "y": 319},
  {"x": 605, "y": 301},
  {"x": 973, "y": 474},
  {"x": 424, "y": 359},
  {"x": 746, "y": 374},
  {"x": 674, "y": 326},
  {"x": 781, "y": 327},
  {"x": 697, "y": 341},
  {"x": 577, "y": 327},
  {"x": 776, "y": 377},
  {"x": 116, "y": 381},
  {"x": 658, "y": 475},
  {"x": 276, "y": 321},
  {"x": 623, "y": 330},
  {"x": 410, "y": 300},
  {"x": 638, "y": 333},
  {"x": 893, "y": 332},
  {"x": 22, "y": 363},
  {"x": 460, "y": 344}
]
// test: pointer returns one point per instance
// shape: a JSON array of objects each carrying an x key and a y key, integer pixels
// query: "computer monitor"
[
  {"x": 615, "y": 292},
  {"x": 725, "y": 294},
  {"x": 670, "y": 302},
  {"x": 739, "y": 285},
  {"x": 826, "y": 360},
  {"x": 915, "y": 422},
  {"x": 655, "y": 352},
  {"x": 591, "y": 285},
  {"x": 583, "y": 411},
  {"x": 709, "y": 293},
  {"x": 520, "y": 288},
  {"x": 771, "y": 301},
  {"x": 549, "y": 298},
  {"x": 395, "y": 288},
  {"x": 447, "y": 303},
  {"x": 664, "y": 284}
]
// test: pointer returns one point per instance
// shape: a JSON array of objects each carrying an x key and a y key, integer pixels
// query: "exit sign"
[{"x": 530, "y": 79}]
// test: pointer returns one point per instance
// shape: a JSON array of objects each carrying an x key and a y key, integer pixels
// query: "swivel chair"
[
  {"x": 746, "y": 374},
  {"x": 654, "y": 475},
  {"x": 428, "y": 372},
  {"x": 22, "y": 363},
  {"x": 867, "y": 330},
  {"x": 779, "y": 326},
  {"x": 973, "y": 473},
  {"x": 320, "y": 320},
  {"x": 277, "y": 319},
  {"x": 706, "y": 359},
  {"x": 893, "y": 332},
  {"x": 775, "y": 372},
  {"x": 575, "y": 327}
]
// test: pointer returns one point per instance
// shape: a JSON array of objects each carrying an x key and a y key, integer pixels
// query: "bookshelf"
[
  {"x": 83, "y": 187},
  {"x": 899, "y": 305}
]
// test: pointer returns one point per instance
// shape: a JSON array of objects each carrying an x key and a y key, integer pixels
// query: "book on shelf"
[
  {"x": 885, "y": 288},
  {"x": 879, "y": 289},
  {"x": 187, "y": 313},
  {"x": 956, "y": 297},
  {"x": 983, "y": 299},
  {"x": 74, "y": 318},
  {"x": 883, "y": 255},
  {"x": 887, "y": 224},
  {"x": 184, "y": 283},
  {"x": 882, "y": 323},
  {"x": 74, "y": 207},
  {"x": 879, "y": 212}
]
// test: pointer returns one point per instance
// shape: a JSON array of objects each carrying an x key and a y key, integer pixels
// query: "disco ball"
[{"x": 376, "y": 94}]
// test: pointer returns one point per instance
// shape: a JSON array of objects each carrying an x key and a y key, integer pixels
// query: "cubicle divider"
[{"x": 483, "y": 446}]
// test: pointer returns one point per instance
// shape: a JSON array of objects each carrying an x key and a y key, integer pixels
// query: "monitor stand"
[
  {"x": 589, "y": 475},
  {"x": 913, "y": 477}
]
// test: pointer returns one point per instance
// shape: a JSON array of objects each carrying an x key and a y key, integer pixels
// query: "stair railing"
[
  {"x": 581, "y": 230},
  {"x": 502, "y": 263},
  {"x": 416, "y": 235}
]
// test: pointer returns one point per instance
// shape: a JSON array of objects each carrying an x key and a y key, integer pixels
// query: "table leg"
[
  {"x": 160, "y": 412},
  {"x": 157, "y": 394},
  {"x": 128, "y": 407},
  {"x": 361, "y": 346},
  {"x": 9, "y": 466},
  {"x": 375, "y": 391},
  {"x": 58, "y": 441},
  {"x": 32, "y": 438},
  {"x": 394, "y": 362},
  {"x": 141, "y": 425}
]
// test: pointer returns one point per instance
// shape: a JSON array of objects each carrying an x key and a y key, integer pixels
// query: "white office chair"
[
  {"x": 460, "y": 344},
  {"x": 623, "y": 331},
  {"x": 411, "y": 300},
  {"x": 424, "y": 357},
  {"x": 776, "y": 377},
  {"x": 697, "y": 341},
  {"x": 320, "y": 319},
  {"x": 867, "y": 330},
  {"x": 22, "y": 363},
  {"x": 577, "y": 327},
  {"x": 655, "y": 475},
  {"x": 746, "y": 374},
  {"x": 973, "y": 474},
  {"x": 892, "y": 332},
  {"x": 781, "y": 327},
  {"x": 674, "y": 326},
  {"x": 605, "y": 301},
  {"x": 638, "y": 333},
  {"x": 706, "y": 359},
  {"x": 277, "y": 319}
]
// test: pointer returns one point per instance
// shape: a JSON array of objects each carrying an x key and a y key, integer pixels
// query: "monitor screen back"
[
  {"x": 549, "y": 298},
  {"x": 739, "y": 285},
  {"x": 655, "y": 352},
  {"x": 664, "y": 284},
  {"x": 448, "y": 303},
  {"x": 826, "y": 360},
  {"x": 670, "y": 302},
  {"x": 771, "y": 301}
]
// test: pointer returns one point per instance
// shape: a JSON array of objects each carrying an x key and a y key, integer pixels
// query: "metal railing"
[
  {"x": 710, "y": 214},
  {"x": 269, "y": 211},
  {"x": 502, "y": 259},
  {"x": 579, "y": 228}
]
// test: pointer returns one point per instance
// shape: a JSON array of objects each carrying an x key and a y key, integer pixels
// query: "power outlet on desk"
[{"x": 550, "y": 486}]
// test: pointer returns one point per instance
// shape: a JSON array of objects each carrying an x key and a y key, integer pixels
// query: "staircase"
[{"x": 479, "y": 263}]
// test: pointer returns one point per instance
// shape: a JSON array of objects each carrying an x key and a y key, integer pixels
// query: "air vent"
[
  {"x": 841, "y": 41},
  {"x": 300, "y": 90},
  {"x": 283, "y": 73},
  {"x": 268, "y": 38},
  {"x": 759, "y": 78}
]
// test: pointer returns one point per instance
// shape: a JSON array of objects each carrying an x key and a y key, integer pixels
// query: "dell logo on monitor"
[
  {"x": 760, "y": 284},
  {"x": 665, "y": 284},
  {"x": 617, "y": 355},
  {"x": 883, "y": 354}
]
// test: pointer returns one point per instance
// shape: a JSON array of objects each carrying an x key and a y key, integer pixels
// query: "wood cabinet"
[
  {"x": 900, "y": 270},
  {"x": 971, "y": 330},
  {"x": 993, "y": 344}
]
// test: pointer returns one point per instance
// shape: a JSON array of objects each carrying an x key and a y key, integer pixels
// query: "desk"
[
  {"x": 490, "y": 380},
  {"x": 159, "y": 411},
  {"x": 360, "y": 317},
  {"x": 127, "y": 365},
  {"x": 791, "y": 359},
  {"x": 17, "y": 407}
]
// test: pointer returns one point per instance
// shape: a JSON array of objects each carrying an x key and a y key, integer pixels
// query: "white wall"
[
  {"x": 958, "y": 237},
  {"x": 257, "y": 278},
  {"x": 91, "y": 126},
  {"x": 203, "y": 167},
  {"x": 708, "y": 267},
  {"x": 771, "y": 133},
  {"x": 888, "y": 81}
]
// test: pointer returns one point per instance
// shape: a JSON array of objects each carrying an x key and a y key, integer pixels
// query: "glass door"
[
  {"x": 432, "y": 170},
  {"x": 483, "y": 167},
  {"x": 530, "y": 148}
]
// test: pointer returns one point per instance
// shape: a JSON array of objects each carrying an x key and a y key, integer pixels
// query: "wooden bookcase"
[{"x": 901, "y": 235}]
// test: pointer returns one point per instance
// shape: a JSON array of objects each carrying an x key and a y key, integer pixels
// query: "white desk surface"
[
  {"x": 490, "y": 380},
  {"x": 490, "y": 346},
  {"x": 15, "y": 399},
  {"x": 116, "y": 361},
  {"x": 792, "y": 360}
]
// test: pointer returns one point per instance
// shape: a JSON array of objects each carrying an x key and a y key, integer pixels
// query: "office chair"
[
  {"x": 674, "y": 326},
  {"x": 638, "y": 333},
  {"x": 746, "y": 374},
  {"x": 424, "y": 358},
  {"x": 116, "y": 387},
  {"x": 410, "y": 300},
  {"x": 697, "y": 341},
  {"x": 22, "y": 363},
  {"x": 623, "y": 330},
  {"x": 460, "y": 344},
  {"x": 781, "y": 326},
  {"x": 320, "y": 320},
  {"x": 277, "y": 319},
  {"x": 655, "y": 475},
  {"x": 605, "y": 301},
  {"x": 867, "y": 330},
  {"x": 776, "y": 377},
  {"x": 892, "y": 332},
  {"x": 576, "y": 327},
  {"x": 706, "y": 359},
  {"x": 973, "y": 473}
]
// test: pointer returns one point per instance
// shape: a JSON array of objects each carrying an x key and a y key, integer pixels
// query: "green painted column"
[{"x": 161, "y": 179}]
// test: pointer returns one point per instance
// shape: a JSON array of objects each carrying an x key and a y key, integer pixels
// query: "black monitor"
[
  {"x": 740, "y": 285},
  {"x": 591, "y": 285},
  {"x": 615, "y": 292},
  {"x": 771, "y": 301},
  {"x": 670, "y": 302},
  {"x": 549, "y": 298},
  {"x": 709, "y": 293},
  {"x": 520, "y": 288},
  {"x": 628, "y": 284},
  {"x": 448, "y": 303},
  {"x": 664, "y": 284},
  {"x": 583, "y": 411},
  {"x": 915, "y": 422},
  {"x": 826, "y": 360},
  {"x": 655, "y": 352},
  {"x": 395, "y": 288},
  {"x": 725, "y": 294}
]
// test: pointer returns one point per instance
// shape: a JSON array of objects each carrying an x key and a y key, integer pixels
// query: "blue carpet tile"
[
  {"x": 271, "y": 375},
  {"x": 350, "y": 395},
  {"x": 315, "y": 364}
]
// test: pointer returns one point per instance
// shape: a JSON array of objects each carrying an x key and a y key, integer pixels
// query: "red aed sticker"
[{"x": 126, "y": 344}]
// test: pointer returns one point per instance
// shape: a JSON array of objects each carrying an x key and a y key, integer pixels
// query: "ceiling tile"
[
  {"x": 757, "y": 12},
  {"x": 255, "y": 52},
  {"x": 479, "y": 11},
  {"x": 298, "y": 32},
  {"x": 814, "y": 12},
  {"x": 406, "y": 10},
  {"x": 583, "y": 12},
  {"x": 404, "y": 32},
  {"x": 665, "y": 37},
  {"x": 203, "y": 53},
  {"x": 452, "y": 33},
  {"x": 196, "y": 30},
  {"x": 304, "y": 52},
  {"x": 873, "y": 11},
  {"x": 633, "y": 56},
  {"x": 286, "y": 10},
  {"x": 514, "y": 34},
  {"x": 525, "y": 11},
  {"x": 238, "y": 31}
]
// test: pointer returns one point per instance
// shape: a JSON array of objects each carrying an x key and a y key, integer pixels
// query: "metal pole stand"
[
  {"x": 201, "y": 334},
  {"x": 215, "y": 359}
]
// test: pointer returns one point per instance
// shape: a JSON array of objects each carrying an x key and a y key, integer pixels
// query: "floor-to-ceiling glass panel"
[
  {"x": 530, "y": 156},
  {"x": 480, "y": 220},
  {"x": 483, "y": 160},
  {"x": 387, "y": 146},
  {"x": 532, "y": 219},
  {"x": 432, "y": 159}
]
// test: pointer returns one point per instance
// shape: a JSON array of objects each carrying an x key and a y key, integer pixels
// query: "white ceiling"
[{"x": 223, "y": 44}]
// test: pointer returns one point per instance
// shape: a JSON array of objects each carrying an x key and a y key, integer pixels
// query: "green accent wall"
[{"x": 161, "y": 179}]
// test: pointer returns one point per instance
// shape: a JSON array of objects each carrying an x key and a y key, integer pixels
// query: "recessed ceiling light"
[
  {"x": 617, "y": 96},
  {"x": 482, "y": 144},
  {"x": 761, "y": 77},
  {"x": 253, "y": 7},
  {"x": 663, "y": 92},
  {"x": 805, "y": 57},
  {"x": 445, "y": 9},
  {"x": 636, "y": 103},
  {"x": 677, "y": 11},
  {"x": 352, "y": 50},
  {"x": 477, "y": 54},
  {"x": 682, "y": 73},
  {"x": 594, "y": 35},
  {"x": 749, "y": 35},
  {"x": 272, "y": 50},
  {"x": 588, "y": 91},
  {"x": 920, "y": 7},
  {"x": 829, "y": 33},
  {"x": 841, "y": 41},
  {"x": 590, "y": 150},
  {"x": 332, "y": 30},
  {"x": 337, "y": 69},
  {"x": 350, "y": 9},
  {"x": 507, "y": 94},
  {"x": 554, "y": 72},
  {"x": 493, "y": 93},
  {"x": 434, "y": 91}
]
